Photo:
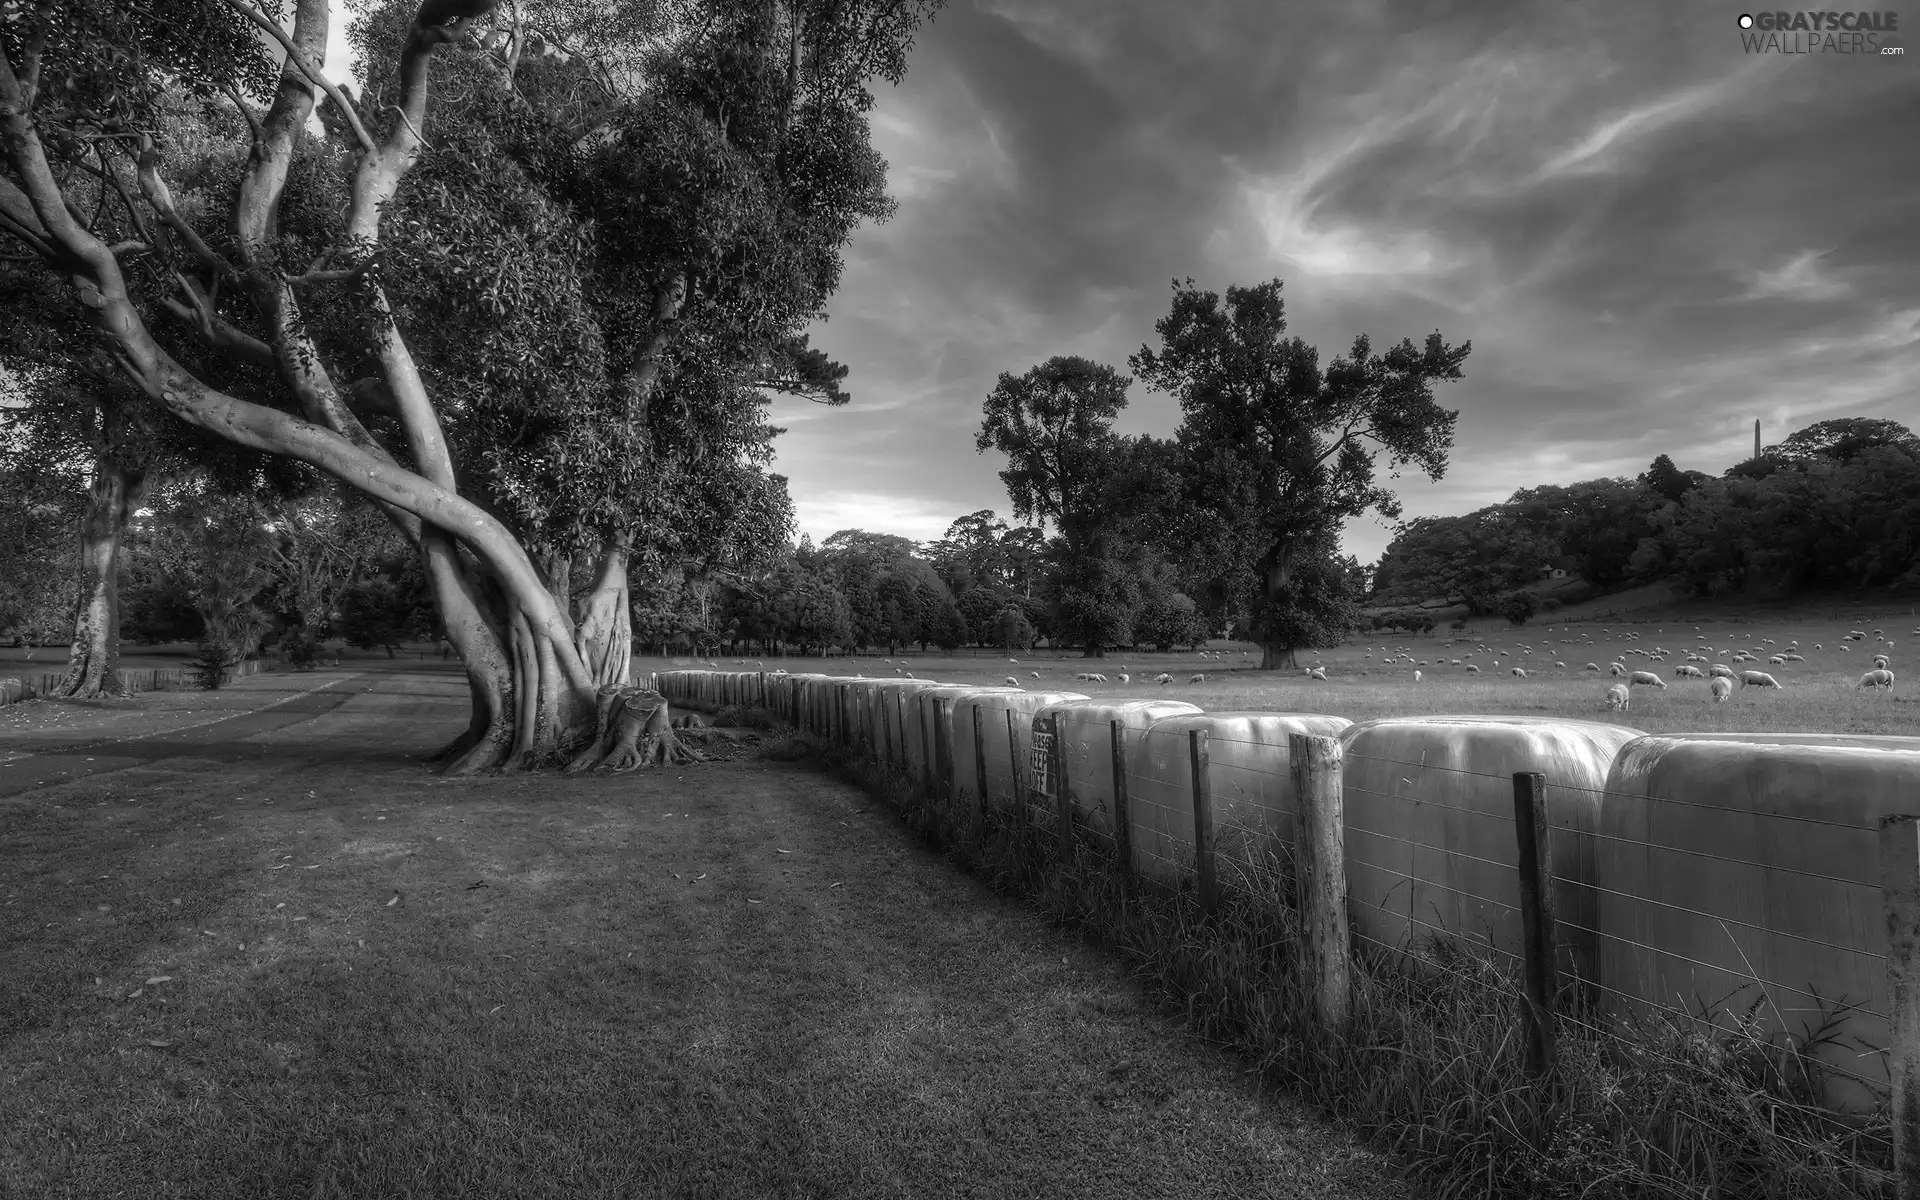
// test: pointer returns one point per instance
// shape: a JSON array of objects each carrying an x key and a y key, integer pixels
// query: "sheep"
[
  {"x": 1721, "y": 687},
  {"x": 1757, "y": 679},
  {"x": 1720, "y": 671},
  {"x": 1164, "y": 679},
  {"x": 1196, "y": 679},
  {"x": 1035, "y": 674},
  {"x": 1648, "y": 679},
  {"x": 1881, "y": 662},
  {"x": 1472, "y": 670},
  {"x": 1777, "y": 660},
  {"x": 1125, "y": 678},
  {"x": 1618, "y": 697},
  {"x": 1012, "y": 682},
  {"x": 1685, "y": 672},
  {"x": 1319, "y": 673},
  {"x": 1558, "y": 663},
  {"x": 1616, "y": 669},
  {"x": 1416, "y": 677},
  {"x": 1882, "y": 678},
  {"x": 1593, "y": 666},
  {"x": 1013, "y": 660},
  {"x": 1519, "y": 673},
  {"x": 1793, "y": 658}
]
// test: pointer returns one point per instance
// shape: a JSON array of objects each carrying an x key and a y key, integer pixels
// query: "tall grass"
[{"x": 1433, "y": 1065}]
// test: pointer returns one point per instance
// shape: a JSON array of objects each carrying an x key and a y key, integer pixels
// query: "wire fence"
[{"x": 1659, "y": 897}]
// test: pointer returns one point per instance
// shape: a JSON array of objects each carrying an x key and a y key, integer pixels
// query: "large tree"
[
  {"x": 717, "y": 155},
  {"x": 1280, "y": 452},
  {"x": 1055, "y": 426}
]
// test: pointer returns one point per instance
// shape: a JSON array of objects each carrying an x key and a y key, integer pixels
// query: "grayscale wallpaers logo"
[{"x": 1875, "y": 33}]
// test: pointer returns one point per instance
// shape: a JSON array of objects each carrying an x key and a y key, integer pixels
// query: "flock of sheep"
[{"x": 1720, "y": 677}]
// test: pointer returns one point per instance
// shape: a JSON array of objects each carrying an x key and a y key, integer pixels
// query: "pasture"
[{"x": 1818, "y": 695}]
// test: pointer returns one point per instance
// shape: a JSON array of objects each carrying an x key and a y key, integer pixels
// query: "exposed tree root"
[{"x": 635, "y": 729}]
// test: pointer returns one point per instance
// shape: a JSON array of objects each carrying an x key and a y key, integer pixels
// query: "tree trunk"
[
  {"x": 604, "y": 634},
  {"x": 1274, "y": 656},
  {"x": 93, "y": 663},
  {"x": 1093, "y": 652}
]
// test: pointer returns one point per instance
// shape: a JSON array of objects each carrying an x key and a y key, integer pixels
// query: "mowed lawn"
[
  {"x": 1820, "y": 695},
  {"x": 322, "y": 971}
]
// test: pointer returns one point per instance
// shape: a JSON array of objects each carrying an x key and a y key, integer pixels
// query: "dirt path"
[{"x": 736, "y": 979}]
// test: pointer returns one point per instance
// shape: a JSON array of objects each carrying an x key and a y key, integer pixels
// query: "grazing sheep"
[
  {"x": 1472, "y": 670},
  {"x": 1616, "y": 669},
  {"x": 1881, "y": 662},
  {"x": 1793, "y": 658},
  {"x": 1519, "y": 673},
  {"x": 1013, "y": 660},
  {"x": 1757, "y": 679},
  {"x": 1593, "y": 666},
  {"x": 1416, "y": 677},
  {"x": 1878, "y": 679},
  {"x": 1196, "y": 679},
  {"x": 1164, "y": 679},
  {"x": 1557, "y": 663},
  {"x": 1618, "y": 697},
  {"x": 1648, "y": 679},
  {"x": 1125, "y": 678},
  {"x": 1720, "y": 671},
  {"x": 1684, "y": 671},
  {"x": 1319, "y": 673},
  {"x": 1012, "y": 682},
  {"x": 1035, "y": 674},
  {"x": 1721, "y": 687}
]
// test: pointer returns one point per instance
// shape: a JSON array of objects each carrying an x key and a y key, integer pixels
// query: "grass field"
[
  {"x": 1819, "y": 695},
  {"x": 294, "y": 963}
]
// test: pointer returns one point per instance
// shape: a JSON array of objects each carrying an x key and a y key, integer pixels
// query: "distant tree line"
[{"x": 1834, "y": 506}]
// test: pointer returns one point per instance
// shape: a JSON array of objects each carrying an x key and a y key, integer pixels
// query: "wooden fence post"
[
  {"x": 1900, "y": 892},
  {"x": 1013, "y": 760},
  {"x": 886, "y": 732},
  {"x": 900, "y": 721},
  {"x": 1536, "y": 915},
  {"x": 980, "y": 760},
  {"x": 940, "y": 760},
  {"x": 1202, "y": 821},
  {"x": 1122, "y": 813},
  {"x": 1315, "y": 767},
  {"x": 1065, "y": 832}
]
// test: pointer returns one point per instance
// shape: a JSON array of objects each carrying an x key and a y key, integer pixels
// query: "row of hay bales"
[
  {"x": 1687, "y": 866},
  {"x": 133, "y": 679}
]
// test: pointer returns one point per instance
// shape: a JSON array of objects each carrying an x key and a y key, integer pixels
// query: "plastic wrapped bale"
[
  {"x": 1730, "y": 861},
  {"x": 935, "y": 742},
  {"x": 1006, "y": 745},
  {"x": 1249, "y": 778},
  {"x": 1086, "y": 750},
  {"x": 1431, "y": 843},
  {"x": 892, "y": 720}
]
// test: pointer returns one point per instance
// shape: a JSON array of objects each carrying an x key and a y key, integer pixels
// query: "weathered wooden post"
[
  {"x": 1536, "y": 915},
  {"x": 1013, "y": 760},
  {"x": 1122, "y": 814},
  {"x": 941, "y": 763},
  {"x": 979, "y": 760},
  {"x": 1065, "y": 832},
  {"x": 763, "y": 689},
  {"x": 1202, "y": 821},
  {"x": 1315, "y": 768},
  {"x": 1900, "y": 893}
]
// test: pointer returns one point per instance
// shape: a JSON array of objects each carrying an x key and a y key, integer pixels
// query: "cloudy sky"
[{"x": 1650, "y": 236}]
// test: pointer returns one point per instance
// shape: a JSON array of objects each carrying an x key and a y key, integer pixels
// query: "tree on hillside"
[
  {"x": 1055, "y": 425},
  {"x": 588, "y": 233},
  {"x": 1280, "y": 453},
  {"x": 1664, "y": 479},
  {"x": 1844, "y": 439}
]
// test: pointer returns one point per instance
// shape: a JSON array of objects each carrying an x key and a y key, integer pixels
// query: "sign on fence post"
[
  {"x": 1122, "y": 814},
  {"x": 979, "y": 761},
  {"x": 1045, "y": 769},
  {"x": 1536, "y": 915},
  {"x": 1202, "y": 821},
  {"x": 1900, "y": 892},
  {"x": 1322, "y": 868}
]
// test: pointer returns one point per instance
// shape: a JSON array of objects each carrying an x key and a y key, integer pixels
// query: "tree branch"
[{"x": 307, "y": 68}]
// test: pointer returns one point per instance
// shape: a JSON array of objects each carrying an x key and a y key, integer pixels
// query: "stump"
[{"x": 634, "y": 729}]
